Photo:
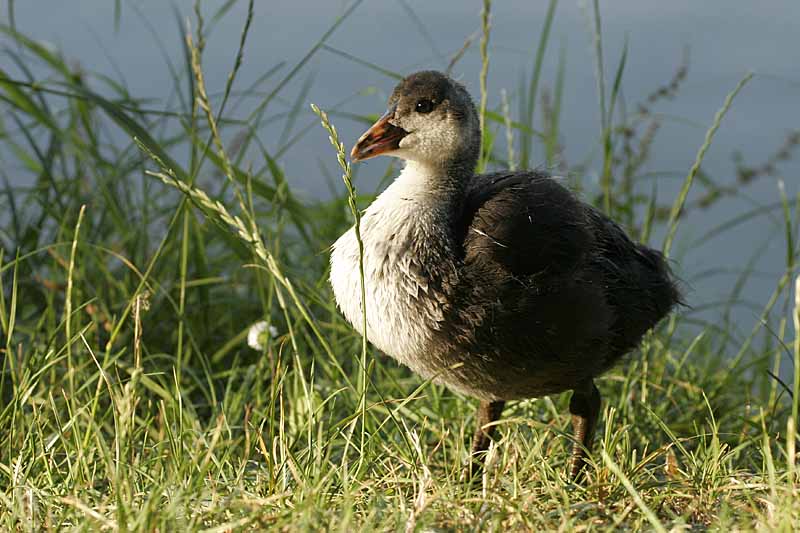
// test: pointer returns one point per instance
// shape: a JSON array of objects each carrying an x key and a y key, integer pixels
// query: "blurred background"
[{"x": 694, "y": 53}]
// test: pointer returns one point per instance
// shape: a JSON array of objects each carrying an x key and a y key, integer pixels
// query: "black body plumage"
[{"x": 502, "y": 286}]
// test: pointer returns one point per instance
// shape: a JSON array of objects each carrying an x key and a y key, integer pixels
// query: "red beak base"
[{"x": 382, "y": 137}]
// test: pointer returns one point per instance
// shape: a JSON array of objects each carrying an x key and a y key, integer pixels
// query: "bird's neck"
[
  {"x": 421, "y": 208},
  {"x": 432, "y": 189}
]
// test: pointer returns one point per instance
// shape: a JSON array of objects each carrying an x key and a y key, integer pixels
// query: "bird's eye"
[{"x": 424, "y": 106}]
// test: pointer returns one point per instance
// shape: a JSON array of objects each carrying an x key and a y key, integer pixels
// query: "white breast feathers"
[{"x": 402, "y": 310}]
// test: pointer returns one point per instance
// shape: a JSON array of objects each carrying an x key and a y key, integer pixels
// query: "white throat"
[{"x": 413, "y": 183}]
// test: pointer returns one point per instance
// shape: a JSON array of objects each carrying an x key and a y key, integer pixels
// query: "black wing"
[
  {"x": 550, "y": 290},
  {"x": 525, "y": 290},
  {"x": 525, "y": 224}
]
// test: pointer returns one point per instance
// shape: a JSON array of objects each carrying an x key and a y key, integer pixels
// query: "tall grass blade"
[
  {"x": 352, "y": 198},
  {"x": 526, "y": 142},
  {"x": 485, "y": 27},
  {"x": 796, "y": 382},
  {"x": 680, "y": 201}
]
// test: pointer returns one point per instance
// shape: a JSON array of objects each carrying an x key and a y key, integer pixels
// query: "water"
[{"x": 725, "y": 39}]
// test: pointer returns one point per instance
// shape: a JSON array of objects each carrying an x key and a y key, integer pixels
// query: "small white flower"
[{"x": 255, "y": 336}]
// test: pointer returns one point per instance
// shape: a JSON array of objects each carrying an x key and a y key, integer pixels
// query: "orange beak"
[{"x": 380, "y": 138}]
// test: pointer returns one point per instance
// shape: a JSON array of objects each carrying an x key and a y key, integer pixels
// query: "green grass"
[{"x": 131, "y": 272}]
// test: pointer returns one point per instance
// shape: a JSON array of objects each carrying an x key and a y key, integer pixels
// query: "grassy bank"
[{"x": 149, "y": 237}]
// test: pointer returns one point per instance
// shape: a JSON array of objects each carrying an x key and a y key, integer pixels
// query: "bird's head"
[{"x": 430, "y": 120}]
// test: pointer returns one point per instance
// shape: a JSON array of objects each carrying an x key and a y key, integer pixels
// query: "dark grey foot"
[
  {"x": 488, "y": 412},
  {"x": 585, "y": 408}
]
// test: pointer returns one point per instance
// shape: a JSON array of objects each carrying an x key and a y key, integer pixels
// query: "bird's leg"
[
  {"x": 585, "y": 408},
  {"x": 487, "y": 413}
]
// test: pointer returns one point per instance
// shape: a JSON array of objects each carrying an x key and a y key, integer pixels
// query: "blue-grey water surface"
[{"x": 725, "y": 39}]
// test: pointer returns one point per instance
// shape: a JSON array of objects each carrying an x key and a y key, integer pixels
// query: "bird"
[{"x": 501, "y": 286}]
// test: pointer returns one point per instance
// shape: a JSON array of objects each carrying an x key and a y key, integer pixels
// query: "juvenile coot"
[{"x": 502, "y": 286}]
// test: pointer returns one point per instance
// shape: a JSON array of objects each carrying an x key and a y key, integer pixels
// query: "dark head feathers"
[
  {"x": 436, "y": 87},
  {"x": 429, "y": 84}
]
